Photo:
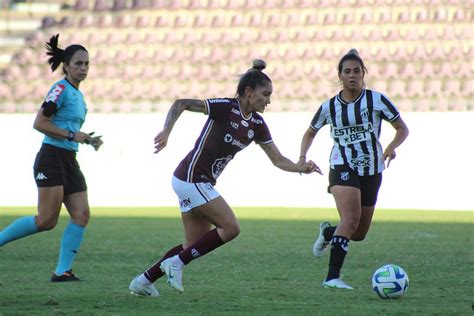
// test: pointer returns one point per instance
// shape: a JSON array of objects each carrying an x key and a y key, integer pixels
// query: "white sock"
[
  {"x": 176, "y": 260},
  {"x": 143, "y": 280}
]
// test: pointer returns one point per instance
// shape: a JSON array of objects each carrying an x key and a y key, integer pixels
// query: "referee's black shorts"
[
  {"x": 369, "y": 185},
  {"x": 56, "y": 166}
]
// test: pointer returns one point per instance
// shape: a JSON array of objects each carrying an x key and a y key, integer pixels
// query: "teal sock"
[
  {"x": 22, "y": 227},
  {"x": 70, "y": 243}
]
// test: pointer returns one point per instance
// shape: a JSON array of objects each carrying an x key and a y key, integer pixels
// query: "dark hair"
[
  {"x": 59, "y": 55},
  {"x": 352, "y": 54},
  {"x": 254, "y": 77}
]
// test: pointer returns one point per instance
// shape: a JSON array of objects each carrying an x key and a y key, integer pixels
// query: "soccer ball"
[{"x": 390, "y": 281}]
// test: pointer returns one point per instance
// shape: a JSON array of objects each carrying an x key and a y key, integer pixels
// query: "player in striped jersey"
[
  {"x": 233, "y": 124},
  {"x": 356, "y": 160},
  {"x": 56, "y": 170}
]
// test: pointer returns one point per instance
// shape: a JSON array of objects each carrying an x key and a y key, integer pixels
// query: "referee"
[{"x": 56, "y": 170}]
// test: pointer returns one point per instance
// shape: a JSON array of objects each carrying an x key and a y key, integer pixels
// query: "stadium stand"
[{"x": 145, "y": 53}]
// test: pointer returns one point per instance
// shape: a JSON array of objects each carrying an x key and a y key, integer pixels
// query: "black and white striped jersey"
[{"x": 355, "y": 129}]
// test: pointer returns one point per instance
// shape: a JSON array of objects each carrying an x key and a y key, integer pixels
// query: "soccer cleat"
[
  {"x": 139, "y": 289},
  {"x": 173, "y": 273},
  {"x": 336, "y": 284},
  {"x": 320, "y": 245},
  {"x": 65, "y": 277}
]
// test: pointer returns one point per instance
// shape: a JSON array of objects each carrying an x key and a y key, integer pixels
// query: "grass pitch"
[{"x": 268, "y": 270}]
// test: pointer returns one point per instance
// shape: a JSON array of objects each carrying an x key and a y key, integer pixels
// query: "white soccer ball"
[{"x": 390, "y": 281}]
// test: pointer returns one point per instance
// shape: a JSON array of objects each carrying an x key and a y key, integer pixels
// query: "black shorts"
[
  {"x": 56, "y": 166},
  {"x": 369, "y": 185}
]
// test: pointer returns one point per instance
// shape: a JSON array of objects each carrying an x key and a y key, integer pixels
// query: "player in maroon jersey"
[{"x": 208, "y": 220}]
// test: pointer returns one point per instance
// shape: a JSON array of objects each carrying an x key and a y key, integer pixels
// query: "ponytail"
[
  {"x": 59, "y": 55},
  {"x": 56, "y": 53}
]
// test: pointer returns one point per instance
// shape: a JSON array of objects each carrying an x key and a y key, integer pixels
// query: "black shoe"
[{"x": 66, "y": 277}]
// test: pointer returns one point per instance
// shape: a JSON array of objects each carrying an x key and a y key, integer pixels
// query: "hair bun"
[
  {"x": 353, "y": 51},
  {"x": 258, "y": 64}
]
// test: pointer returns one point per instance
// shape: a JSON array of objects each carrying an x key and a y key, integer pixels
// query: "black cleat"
[{"x": 66, "y": 277}]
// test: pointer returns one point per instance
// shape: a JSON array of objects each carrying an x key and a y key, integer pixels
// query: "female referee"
[
  {"x": 56, "y": 170},
  {"x": 232, "y": 125},
  {"x": 356, "y": 161}
]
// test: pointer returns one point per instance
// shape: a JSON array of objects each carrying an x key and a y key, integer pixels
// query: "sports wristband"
[{"x": 70, "y": 136}]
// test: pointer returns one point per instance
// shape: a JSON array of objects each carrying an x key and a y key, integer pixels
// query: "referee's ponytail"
[{"x": 59, "y": 55}]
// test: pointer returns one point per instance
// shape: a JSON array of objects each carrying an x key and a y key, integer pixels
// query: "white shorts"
[{"x": 192, "y": 195}]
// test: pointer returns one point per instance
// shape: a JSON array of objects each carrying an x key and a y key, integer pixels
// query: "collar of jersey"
[
  {"x": 339, "y": 98},
  {"x": 242, "y": 112}
]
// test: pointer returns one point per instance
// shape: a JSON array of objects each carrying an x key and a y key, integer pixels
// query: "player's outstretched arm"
[
  {"x": 286, "y": 164},
  {"x": 178, "y": 107}
]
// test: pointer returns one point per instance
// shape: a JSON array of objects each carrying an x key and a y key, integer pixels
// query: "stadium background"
[{"x": 144, "y": 54}]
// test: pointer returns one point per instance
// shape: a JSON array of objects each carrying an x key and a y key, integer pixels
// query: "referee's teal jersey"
[
  {"x": 70, "y": 115},
  {"x": 355, "y": 129}
]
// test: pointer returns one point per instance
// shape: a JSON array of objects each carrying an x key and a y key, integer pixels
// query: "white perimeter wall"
[{"x": 433, "y": 168}]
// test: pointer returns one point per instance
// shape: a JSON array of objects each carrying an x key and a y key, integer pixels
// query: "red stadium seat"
[
  {"x": 138, "y": 4},
  {"x": 81, "y": 5},
  {"x": 101, "y": 5},
  {"x": 415, "y": 88},
  {"x": 452, "y": 87},
  {"x": 119, "y": 5}
]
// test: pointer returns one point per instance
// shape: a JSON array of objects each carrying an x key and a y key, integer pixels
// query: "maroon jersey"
[{"x": 225, "y": 133}]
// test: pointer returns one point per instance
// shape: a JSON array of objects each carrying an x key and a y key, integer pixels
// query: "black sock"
[
  {"x": 329, "y": 232},
  {"x": 339, "y": 248}
]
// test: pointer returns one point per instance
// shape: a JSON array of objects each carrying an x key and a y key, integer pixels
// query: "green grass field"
[{"x": 268, "y": 270}]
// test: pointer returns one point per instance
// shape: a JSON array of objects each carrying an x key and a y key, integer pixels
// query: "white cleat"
[
  {"x": 336, "y": 284},
  {"x": 143, "y": 290},
  {"x": 174, "y": 274},
  {"x": 320, "y": 245}
]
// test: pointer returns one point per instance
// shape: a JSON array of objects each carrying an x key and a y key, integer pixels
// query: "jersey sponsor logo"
[
  {"x": 219, "y": 101},
  {"x": 344, "y": 175},
  {"x": 234, "y": 125},
  {"x": 352, "y": 134},
  {"x": 41, "y": 176},
  {"x": 55, "y": 93},
  {"x": 256, "y": 121},
  {"x": 244, "y": 123},
  {"x": 361, "y": 161},
  {"x": 250, "y": 134},
  {"x": 185, "y": 202},
  {"x": 228, "y": 138},
  {"x": 219, "y": 165},
  {"x": 235, "y": 111}
]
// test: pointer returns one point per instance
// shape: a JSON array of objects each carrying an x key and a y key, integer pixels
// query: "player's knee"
[
  {"x": 82, "y": 218},
  {"x": 46, "y": 224},
  {"x": 231, "y": 231},
  {"x": 358, "y": 237}
]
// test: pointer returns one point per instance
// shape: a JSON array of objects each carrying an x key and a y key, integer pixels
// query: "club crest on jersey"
[
  {"x": 345, "y": 176},
  {"x": 219, "y": 165},
  {"x": 250, "y": 134},
  {"x": 55, "y": 93}
]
